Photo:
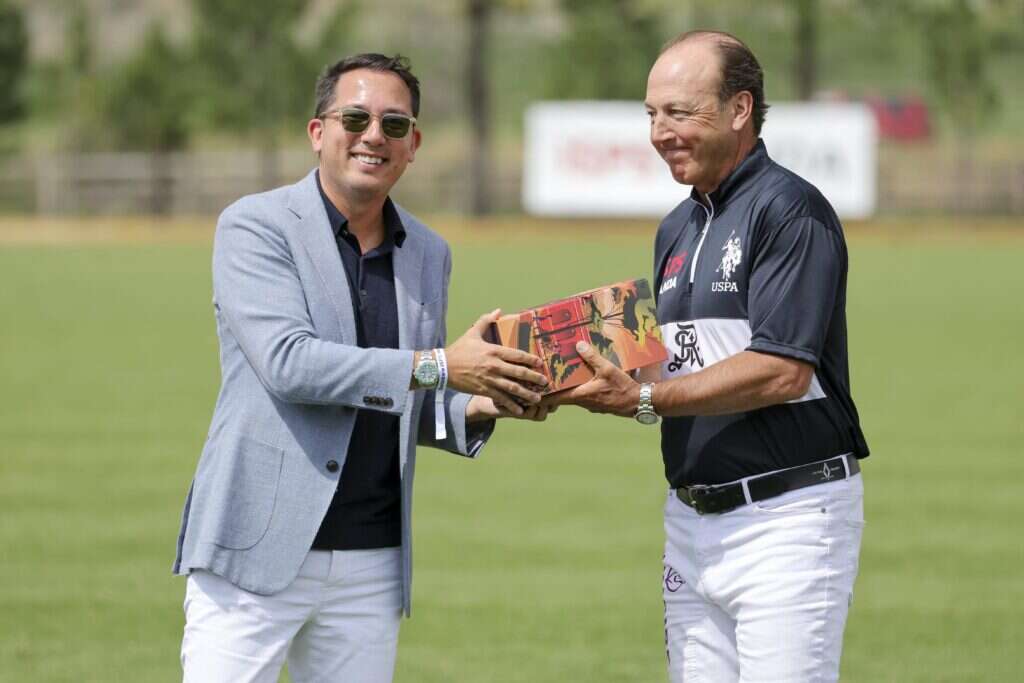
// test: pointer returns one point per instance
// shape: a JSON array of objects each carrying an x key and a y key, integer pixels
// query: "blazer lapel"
[
  {"x": 407, "y": 262},
  {"x": 315, "y": 234}
]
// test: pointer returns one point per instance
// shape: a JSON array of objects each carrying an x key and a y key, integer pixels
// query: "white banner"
[{"x": 596, "y": 159}]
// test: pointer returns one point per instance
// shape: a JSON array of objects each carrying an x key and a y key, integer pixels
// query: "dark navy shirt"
[
  {"x": 366, "y": 509},
  {"x": 759, "y": 265}
]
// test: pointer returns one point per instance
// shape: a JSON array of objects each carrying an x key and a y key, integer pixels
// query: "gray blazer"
[{"x": 292, "y": 381}]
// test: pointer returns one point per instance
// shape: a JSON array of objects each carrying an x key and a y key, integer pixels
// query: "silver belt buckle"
[{"x": 699, "y": 488}]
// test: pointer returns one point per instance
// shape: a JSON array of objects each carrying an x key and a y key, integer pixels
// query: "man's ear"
[
  {"x": 417, "y": 140},
  {"x": 742, "y": 109},
  {"x": 315, "y": 131}
]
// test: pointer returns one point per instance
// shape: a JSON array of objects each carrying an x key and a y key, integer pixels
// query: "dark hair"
[
  {"x": 740, "y": 69},
  {"x": 397, "y": 65}
]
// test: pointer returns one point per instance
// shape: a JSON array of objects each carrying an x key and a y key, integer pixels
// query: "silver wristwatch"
[
  {"x": 426, "y": 373},
  {"x": 645, "y": 414}
]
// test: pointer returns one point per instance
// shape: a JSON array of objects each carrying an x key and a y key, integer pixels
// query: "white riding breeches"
[{"x": 761, "y": 593}]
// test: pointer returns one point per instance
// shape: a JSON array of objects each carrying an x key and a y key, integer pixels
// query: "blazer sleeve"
[
  {"x": 462, "y": 439},
  {"x": 258, "y": 293}
]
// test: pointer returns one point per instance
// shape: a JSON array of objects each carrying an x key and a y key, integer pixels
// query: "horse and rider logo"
[
  {"x": 732, "y": 258},
  {"x": 730, "y": 261}
]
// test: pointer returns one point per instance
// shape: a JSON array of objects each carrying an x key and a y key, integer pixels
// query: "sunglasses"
[{"x": 353, "y": 120}]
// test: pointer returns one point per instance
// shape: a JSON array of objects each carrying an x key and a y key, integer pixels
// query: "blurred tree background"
[
  {"x": 164, "y": 76},
  {"x": 13, "y": 62}
]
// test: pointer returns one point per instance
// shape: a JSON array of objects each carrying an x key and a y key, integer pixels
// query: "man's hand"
[
  {"x": 610, "y": 391},
  {"x": 506, "y": 376},
  {"x": 483, "y": 408}
]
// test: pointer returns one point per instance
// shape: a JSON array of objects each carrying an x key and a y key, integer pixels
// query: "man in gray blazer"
[{"x": 330, "y": 303}]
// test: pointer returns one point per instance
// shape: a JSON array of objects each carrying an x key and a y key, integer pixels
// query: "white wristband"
[{"x": 442, "y": 381}]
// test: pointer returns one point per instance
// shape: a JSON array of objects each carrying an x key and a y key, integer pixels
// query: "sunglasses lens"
[
  {"x": 392, "y": 125},
  {"x": 355, "y": 121},
  {"x": 395, "y": 126}
]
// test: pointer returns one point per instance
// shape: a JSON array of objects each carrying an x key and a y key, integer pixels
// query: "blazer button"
[{"x": 332, "y": 465}]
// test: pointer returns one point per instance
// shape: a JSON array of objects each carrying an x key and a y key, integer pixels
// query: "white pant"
[
  {"x": 338, "y": 621},
  {"x": 761, "y": 593}
]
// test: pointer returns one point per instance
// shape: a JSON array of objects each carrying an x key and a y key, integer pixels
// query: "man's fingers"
[
  {"x": 518, "y": 357},
  {"x": 552, "y": 400},
  {"x": 591, "y": 357},
  {"x": 523, "y": 375},
  {"x": 516, "y": 390},
  {"x": 537, "y": 413},
  {"x": 563, "y": 397},
  {"x": 506, "y": 404},
  {"x": 479, "y": 328}
]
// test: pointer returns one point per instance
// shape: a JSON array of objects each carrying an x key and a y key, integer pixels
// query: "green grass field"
[{"x": 541, "y": 562}]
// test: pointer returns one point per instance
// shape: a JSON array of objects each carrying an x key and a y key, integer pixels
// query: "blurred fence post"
[
  {"x": 479, "y": 106},
  {"x": 46, "y": 171}
]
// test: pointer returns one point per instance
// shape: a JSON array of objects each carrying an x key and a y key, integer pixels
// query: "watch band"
[
  {"x": 442, "y": 382},
  {"x": 645, "y": 412}
]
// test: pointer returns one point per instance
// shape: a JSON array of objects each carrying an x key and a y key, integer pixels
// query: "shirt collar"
[
  {"x": 394, "y": 229},
  {"x": 754, "y": 163}
]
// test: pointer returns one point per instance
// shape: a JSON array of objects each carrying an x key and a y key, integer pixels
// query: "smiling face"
[
  {"x": 699, "y": 137},
  {"x": 363, "y": 167}
]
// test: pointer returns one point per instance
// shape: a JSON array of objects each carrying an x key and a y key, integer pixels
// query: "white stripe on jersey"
[{"x": 696, "y": 344}]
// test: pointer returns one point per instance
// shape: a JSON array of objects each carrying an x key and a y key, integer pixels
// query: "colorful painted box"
[{"x": 618, "y": 320}]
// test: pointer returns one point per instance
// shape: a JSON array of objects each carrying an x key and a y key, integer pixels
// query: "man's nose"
[
  {"x": 373, "y": 134},
  {"x": 659, "y": 131}
]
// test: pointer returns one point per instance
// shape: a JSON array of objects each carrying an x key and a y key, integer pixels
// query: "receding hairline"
[
  {"x": 715, "y": 38},
  {"x": 737, "y": 67},
  {"x": 697, "y": 39}
]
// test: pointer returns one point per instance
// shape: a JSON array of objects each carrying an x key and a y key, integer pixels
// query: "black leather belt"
[{"x": 725, "y": 497}]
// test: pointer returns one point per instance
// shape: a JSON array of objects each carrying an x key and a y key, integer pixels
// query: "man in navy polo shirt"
[{"x": 760, "y": 436}]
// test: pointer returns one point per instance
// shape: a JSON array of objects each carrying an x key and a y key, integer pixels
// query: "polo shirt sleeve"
[{"x": 794, "y": 280}]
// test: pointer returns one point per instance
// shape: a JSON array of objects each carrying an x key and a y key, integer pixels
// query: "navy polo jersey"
[
  {"x": 760, "y": 264},
  {"x": 366, "y": 509}
]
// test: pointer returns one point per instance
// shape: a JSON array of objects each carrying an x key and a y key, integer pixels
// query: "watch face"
[
  {"x": 647, "y": 418},
  {"x": 426, "y": 373}
]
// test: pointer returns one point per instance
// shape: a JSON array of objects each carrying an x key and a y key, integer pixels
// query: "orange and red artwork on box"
[{"x": 618, "y": 320}]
